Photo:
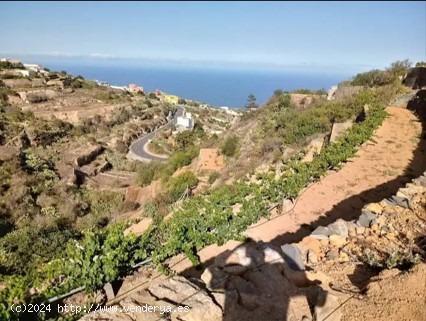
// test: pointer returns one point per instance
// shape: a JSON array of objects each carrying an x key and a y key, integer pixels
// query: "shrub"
[
  {"x": 11, "y": 65},
  {"x": 147, "y": 172},
  {"x": 230, "y": 146},
  {"x": 373, "y": 78},
  {"x": 184, "y": 139},
  {"x": 182, "y": 158},
  {"x": 24, "y": 249},
  {"x": 400, "y": 68},
  {"x": 213, "y": 177},
  {"x": 100, "y": 257},
  {"x": 179, "y": 184}
]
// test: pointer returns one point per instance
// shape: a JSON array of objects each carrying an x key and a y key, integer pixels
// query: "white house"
[
  {"x": 33, "y": 67},
  {"x": 331, "y": 92},
  {"x": 184, "y": 122}
]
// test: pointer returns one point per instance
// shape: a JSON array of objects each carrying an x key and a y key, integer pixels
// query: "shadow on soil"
[{"x": 279, "y": 291}]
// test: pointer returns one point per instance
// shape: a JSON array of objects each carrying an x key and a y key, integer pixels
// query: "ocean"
[{"x": 220, "y": 87}]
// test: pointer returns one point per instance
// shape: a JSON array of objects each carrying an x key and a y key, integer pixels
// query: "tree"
[
  {"x": 230, "y": 146},
  {"x": 400, "y": 67},
  {"x": 251, "y": 102},
  {"x": 278, "y": 92},
  {"x": 184, "y": 140}
]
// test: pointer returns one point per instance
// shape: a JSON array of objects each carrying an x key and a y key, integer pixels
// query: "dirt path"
[
  {"x": 400, "y": 298},
  {"x": 378, "y": 169}
]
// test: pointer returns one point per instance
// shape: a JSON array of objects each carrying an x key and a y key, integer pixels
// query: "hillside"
[{"x": 76, "y": 212}]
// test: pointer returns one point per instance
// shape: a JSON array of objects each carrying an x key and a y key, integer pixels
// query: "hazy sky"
[{"x": 343, "y": 35}]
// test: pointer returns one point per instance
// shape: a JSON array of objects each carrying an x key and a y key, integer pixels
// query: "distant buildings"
[
  {"x": 33, "y": 67},
  {"x": 135, "y": 89},
  {"x": 229, "y": 110}
]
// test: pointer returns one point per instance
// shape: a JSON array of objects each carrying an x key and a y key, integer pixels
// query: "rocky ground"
[
  {"x": 364, "y": 266},
  {"x": 365, "y": 269}
]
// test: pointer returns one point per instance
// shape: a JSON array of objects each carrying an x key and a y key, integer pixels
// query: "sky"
[{"x": 339, "y": 35}]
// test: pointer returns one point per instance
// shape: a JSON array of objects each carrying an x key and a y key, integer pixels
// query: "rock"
[
  {"x": 238, "y": 256},
  {"x": 293, "y": 257},
  {"x": 214, "y": 277},
  {"x": 333, "y": 254},
  {"x": 236, "y": 208},
  {"x": 381, "y": 220},
  {"x": 374, "y": 208},
  {"x": 272, "y": 256},
  {"x": 143, "y": 311},
  {"x": 324, "y": 242},
  {"x": 360, "y": 230},
  {"x": 400, "y": 201},
  {"x": 326, "y": 307},
  {"x": 366, "y": 219},
  {"x": 298, "y": 309},
  {"x": 343, "y": 257},
  {"x": 180, "y": 290},
  {"x": 106, "y": 316},
  {"x": 375, "y": 228},
  {"x": 235, "y": 269},
  {"x": 222, "y": 298},
  {"x": 241, "y": 259},
  {"x": 338, "y": 129},
  {"x": 321, "y": 232},
  {"x": 109, "y": 291},
  {"x": 310, "y": 246},
  {"x": 311, "y": 258},
  {"x": 339, "y": 228},
  {"x": 139, "y": 228},
  {"x": 420, "y": 181},
  {"x": 286, "y": 206},
  {"x": 337, "y": 240},
  {"x": 249, "y": 294},
  {"x": 313, "y": 148}
]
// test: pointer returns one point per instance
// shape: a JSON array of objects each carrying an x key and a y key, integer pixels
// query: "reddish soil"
[
  {"x": 379, "y": 168},
  {"x": 399, "y": 298}
]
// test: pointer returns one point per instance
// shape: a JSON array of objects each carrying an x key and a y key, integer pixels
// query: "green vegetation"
[
  {"x": 310, "y": 92},
  {"x": 377, "y": 77},
  {"x": 184, "y": 139},
  {"x": 147, "y": 172},
  {"x": 25, "y": 249},
  {"x": 11, "y": 65},
  {"x": 251, "y": 102},
  {"x": 177, "y": 186},
  {"x": 97, "y": 254},
  {"x": 282, "y": 120},
  {"x": 230, "y": 146},
  {"x": 213, "y": 177}
]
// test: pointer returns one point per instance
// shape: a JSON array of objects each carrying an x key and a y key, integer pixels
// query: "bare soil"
[
  {"x": 394, "y": 156},
  {"x": 398, "y": 298}
]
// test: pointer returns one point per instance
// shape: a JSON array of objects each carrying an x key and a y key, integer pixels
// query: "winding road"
[{"x": 138, "y": 149}]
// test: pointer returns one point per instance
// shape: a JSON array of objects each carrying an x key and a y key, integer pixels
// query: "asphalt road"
[{"x": 139, "y": 146}]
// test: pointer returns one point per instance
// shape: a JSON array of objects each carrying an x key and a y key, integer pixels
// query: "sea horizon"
[{"x": 215, "y": 86}]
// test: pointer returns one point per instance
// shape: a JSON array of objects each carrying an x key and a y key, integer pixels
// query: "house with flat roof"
[{"x": 184, "y": 122}]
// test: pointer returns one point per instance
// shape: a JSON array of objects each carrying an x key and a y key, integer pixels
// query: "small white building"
[
  {"x": 184, "y": 122},
  {"x": 33, "y": 67},
  {"x": 331, "y": 93}
]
